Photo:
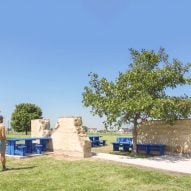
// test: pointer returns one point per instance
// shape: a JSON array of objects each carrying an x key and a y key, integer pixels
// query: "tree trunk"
[
  {"x": 26, "y": 132},
  {"x": 135, "y": 136}
]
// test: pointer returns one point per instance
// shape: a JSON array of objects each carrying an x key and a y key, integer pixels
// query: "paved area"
[
  {"x": 28, "y": 155},
  {"x": 169, "y": 163}
]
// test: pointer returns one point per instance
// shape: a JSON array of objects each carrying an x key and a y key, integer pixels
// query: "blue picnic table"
[
  {"x": 125, "y": 142},
  {"x": 14, "y": 147},
  {"x": 96, "y": 141}
]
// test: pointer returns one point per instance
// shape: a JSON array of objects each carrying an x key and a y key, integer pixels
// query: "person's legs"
[
  {"x": 2, "y": 151},
  {"x": 3, "y": 161}
]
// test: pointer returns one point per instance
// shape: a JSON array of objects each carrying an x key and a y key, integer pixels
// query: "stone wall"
[
  {"x": 70, "y": 138},
  {"x": 176, "y": 137},
  {"x": 40, "y": 128}
]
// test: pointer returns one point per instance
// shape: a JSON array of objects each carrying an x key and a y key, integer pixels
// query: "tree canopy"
[
  {"x": 22, "y": 116},
  {"x": 139, "y": 93},
  {"x": 85, "y": 128}
]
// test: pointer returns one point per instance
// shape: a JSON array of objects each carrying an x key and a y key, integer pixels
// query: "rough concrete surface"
[{"x": 177, "y": 164}]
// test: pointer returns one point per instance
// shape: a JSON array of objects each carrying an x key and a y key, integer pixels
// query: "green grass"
[
  {"x": 15, "y": 134},
  {"x": 46, "y": 173}
]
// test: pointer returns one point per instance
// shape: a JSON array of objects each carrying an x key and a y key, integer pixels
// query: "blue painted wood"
[
  {"x": 116, "y": 146},
  {"x": 149, "y": 148},
  {"x": 38, "y": 149},
  {"x": 96, "y": 141},
  {"x": 44, "y": 143},
  {"x": 124, "y": 142},
  {"x": 12, "y": 149},
  {"x": 21, "y": 150},
  {"x": 127, "y": 147}
]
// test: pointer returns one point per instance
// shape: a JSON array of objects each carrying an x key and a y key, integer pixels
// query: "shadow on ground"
[{"x": 20, "y": 168}]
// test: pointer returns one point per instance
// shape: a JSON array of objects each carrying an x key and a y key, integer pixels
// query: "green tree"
[
  {"x": 85, "y": 128},
  {"x": 22, "y": 116},
  {"x": 139, "y": 93}
]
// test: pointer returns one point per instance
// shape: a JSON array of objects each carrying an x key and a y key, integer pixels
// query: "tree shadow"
[{"x": 171, "y": 158}]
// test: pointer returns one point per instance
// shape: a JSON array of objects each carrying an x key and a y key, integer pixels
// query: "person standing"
[{"x": 2, "y": 143}]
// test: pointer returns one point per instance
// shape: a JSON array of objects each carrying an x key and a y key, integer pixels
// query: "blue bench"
[
  {"x": 157, "y": 147},
  {"x": 95, "y": 141},
  {"x": 21, "y": 150},
  {"x": 150, "y": 148},
  {"x": 124, "y": 142},
  {"x": 38, "y": 148}
]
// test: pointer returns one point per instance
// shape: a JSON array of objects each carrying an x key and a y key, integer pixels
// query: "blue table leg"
[
  {"x": 161, "y": 150},
  {"x": 44, "y": 144},
  {"x": 28, "y": 143},
  {"x": 115, "y": 146},
  {"x": 11, "y": 147}
]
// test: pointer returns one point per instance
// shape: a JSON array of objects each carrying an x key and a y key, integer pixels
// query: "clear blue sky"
[{"x": 47, "y": 48}]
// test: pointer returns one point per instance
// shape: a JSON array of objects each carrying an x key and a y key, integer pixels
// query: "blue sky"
[{"x": 47, "y": 48}]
